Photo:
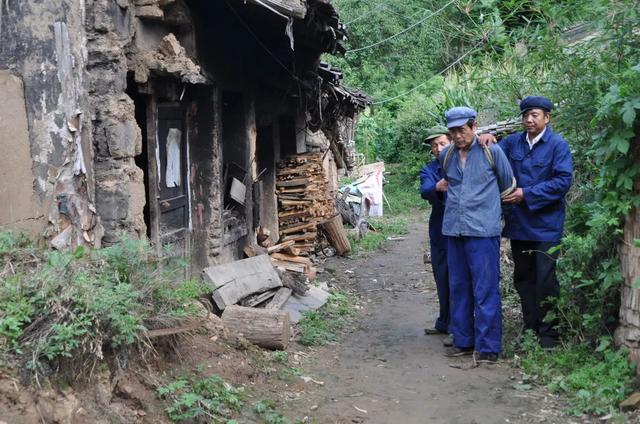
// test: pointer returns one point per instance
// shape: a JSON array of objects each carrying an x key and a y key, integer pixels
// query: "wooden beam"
[
  {"x": 291, "y": 8},
  {"x": 281, "y": 246},
  {"x": 280, "y": 298}
]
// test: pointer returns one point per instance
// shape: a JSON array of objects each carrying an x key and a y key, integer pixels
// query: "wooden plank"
[
  {"x": 298, "y": 228},
  {"x": 295, "y": 202},
  {"x": 280, "y": 246},
  {"x": 290, "y": 258},
  {"x": 237, "y": 280},
  {"x": 312, "y": 273},
  {"x": 256, "y": 299},
  {"x": 291, "y": 215},
  {"x": 152, "y": 146},
  {"x": 248, "y": 250},
  {"x": 289, "y": 266},
  {"x": 301, "y": 237},
  {"x": 293, "y": 182},
  {"x": 280, "y": 298},
  {"x": 293, "y": 190},
  {"x": 292, "y": 251}
]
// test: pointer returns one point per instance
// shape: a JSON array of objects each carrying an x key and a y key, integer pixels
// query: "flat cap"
[
  {"x": 458, "y": 116},
  {"x": 535, "y": 102},
  {"x": 435, "y": 132}
]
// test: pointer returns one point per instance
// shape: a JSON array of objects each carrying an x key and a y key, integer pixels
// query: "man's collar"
[{"x": 539, "y": 137}]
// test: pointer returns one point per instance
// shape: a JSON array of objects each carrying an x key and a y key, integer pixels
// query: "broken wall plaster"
[
  {"x": 45, "y": 45},
  {"x": 22, "y": 209},
  {"x": 169, "y": 58}
]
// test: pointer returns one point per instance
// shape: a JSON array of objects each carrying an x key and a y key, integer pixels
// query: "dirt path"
[{"x": 387, "y": 367}]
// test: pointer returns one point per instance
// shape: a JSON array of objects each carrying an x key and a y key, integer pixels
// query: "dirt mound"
[{"x": 114, "y": 395}]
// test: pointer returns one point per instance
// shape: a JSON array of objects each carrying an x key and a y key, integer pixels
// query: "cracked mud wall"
[
  {"x": 43, "y": 45},
  {"x": 117, "y": 139},
  {"x": 23, "y": 210}
]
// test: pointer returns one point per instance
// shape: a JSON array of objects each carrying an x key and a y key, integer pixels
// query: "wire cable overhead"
[
  {"x": 449, "y": 66},
  {"x": 410, "y": 27}
]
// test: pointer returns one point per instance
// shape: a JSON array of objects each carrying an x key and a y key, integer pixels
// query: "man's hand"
[
  {"x": 442, "y": 185},
  {"x": 516, "y": 197},
  {"x": 486, "y": 139}
]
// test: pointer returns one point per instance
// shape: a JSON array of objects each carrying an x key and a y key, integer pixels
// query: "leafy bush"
[
  {"x": 78, "y": 304},
  {"x": 589, "y": 275},
  {"x": 209, "y": 397},
  {"x": 594, "y": 381}
]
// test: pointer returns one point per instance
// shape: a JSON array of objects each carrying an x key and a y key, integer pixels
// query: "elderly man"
[
  {"x": 433, "y": 188},
  {"x": 543, "y": 167},
  {"x": 476, "y": 177}
]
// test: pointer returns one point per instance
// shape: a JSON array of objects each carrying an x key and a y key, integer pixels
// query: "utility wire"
[
  {"x": 421, "y": 21},
  {"x": 449, "y": 66}
]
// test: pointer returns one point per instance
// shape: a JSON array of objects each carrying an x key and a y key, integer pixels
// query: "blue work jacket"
[
  {"x": 544, "y": 173},
  {"x": 429, "y": 176},
  {"x": 473, "y": 206}
]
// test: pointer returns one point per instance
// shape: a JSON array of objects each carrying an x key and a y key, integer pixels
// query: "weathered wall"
[
  {"x": 44, "y": 44},
  {"x": 116, "y": 136},
  {"x": 22, "y": 209}
]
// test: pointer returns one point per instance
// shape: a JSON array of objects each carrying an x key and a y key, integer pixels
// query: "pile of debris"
[
  {"x": 304, "y": 199},
  {"x": 258, "y": 301},
  {"x": 284, "y": 256}
]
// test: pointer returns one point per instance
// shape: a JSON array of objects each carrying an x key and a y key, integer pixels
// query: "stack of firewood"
[{"x": 304, "y": 199}]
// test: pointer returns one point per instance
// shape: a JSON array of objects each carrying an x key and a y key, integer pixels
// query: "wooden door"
[{"x": 171, "y": 185}]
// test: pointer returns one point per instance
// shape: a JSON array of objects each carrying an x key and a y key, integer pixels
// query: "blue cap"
[
  {"x": 458, "y": 116},
  {"x": 535, "y": 102}
]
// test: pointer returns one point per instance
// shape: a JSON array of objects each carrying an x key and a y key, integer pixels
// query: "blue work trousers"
[
  {"x": 441, "y": 276},
  {"x": 474, "y": 283}
]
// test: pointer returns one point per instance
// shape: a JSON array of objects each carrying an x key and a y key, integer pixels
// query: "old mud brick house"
[{"x": 164, "y": 118}]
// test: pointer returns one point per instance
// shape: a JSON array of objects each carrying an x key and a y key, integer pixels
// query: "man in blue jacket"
[
  {"x": 477, "y": 176},
  {"x": 433, "y": 188},
  {"x": 543, "y": 167}
]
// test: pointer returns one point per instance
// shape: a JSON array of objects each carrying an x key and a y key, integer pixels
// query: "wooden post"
[{"x": 268, "y": 328}]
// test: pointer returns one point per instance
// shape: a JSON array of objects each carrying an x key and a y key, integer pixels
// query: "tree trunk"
[
  {"x": 629, "y": 331},
  {"x": 268, "y": 328}
]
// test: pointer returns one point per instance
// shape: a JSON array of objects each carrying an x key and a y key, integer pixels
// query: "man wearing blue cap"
[
  {"x": 543, "y": 167},
  {"x": 433, "y": 188},
  {"x": 477, "y": 176}
]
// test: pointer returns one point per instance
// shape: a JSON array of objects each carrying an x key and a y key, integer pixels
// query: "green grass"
[
  {"x": 266, "y": 410},
  {"x": 202, "y": 397},
  {"x": 594, "y": 381},
  {"x": 385, "y": 227},
  {"x": 289, "y": 373},
  {"x": 280, "y": 356},
  {"x": 323, "y": 326}
]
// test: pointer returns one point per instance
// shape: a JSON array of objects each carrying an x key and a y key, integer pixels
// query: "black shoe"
[
  {"x": 486, "y": 357},
  {"x": 433, "y": 331},
  {"x": 453, "y": 352}
]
